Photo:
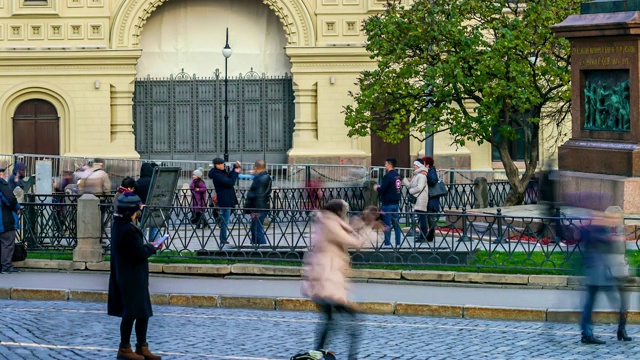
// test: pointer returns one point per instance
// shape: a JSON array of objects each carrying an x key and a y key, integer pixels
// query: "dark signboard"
[{"x": 161, "y": 194}]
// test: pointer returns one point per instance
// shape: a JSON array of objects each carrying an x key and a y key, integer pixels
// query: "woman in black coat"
[{"x": 129, "y": 281}]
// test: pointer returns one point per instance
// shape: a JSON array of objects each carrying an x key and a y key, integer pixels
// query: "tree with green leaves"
[{"x": 484, "y": 71}]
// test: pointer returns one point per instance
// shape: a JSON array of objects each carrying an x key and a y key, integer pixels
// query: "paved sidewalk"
[{"x": 441, "y": 294}]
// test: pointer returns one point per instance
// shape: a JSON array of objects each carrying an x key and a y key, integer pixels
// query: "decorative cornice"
[{"x": 131, "y": 17}]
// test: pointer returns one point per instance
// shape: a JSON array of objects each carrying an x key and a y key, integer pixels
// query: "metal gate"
[{"x": 182, "y": 117}]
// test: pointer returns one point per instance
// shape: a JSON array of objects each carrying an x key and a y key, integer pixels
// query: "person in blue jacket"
[
  {"x": 224, "y": 183},
  {"x": 390, "y": 193}
]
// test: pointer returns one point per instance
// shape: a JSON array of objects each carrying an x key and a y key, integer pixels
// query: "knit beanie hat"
[
  {"x": 198, "y": 172},
  {"x": 129, "y": 199}
]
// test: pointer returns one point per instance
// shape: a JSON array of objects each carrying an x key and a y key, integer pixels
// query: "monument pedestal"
[
  {"x": 616, "y": 190},
  {"x": 603, "y": 155}
]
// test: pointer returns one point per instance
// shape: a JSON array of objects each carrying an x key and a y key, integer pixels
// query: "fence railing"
[
  {"x": 461, "y": 239},
  {"x": 284, "y": 175}
]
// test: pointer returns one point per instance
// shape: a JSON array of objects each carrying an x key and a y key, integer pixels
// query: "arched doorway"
[{"x": 36, "y": 128}]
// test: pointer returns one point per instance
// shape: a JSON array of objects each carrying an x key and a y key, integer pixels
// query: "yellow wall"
[{"x": 59, "y": 50}]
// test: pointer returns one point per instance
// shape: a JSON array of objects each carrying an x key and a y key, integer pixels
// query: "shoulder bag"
[{"x": 439, "y": 190}]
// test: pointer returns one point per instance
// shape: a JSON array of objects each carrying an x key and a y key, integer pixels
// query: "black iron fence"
[
  {"x": 49, "y": 221},
  {"x": 461, "y": 238}
]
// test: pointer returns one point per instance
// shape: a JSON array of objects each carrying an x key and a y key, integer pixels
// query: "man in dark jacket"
[
  {"x": 390, "y": 192},
  {"x": 17, "y": 176},
  {"x": 143, "y": 183},
  {"x": 9, "y": 223},
  {"x": 223, "y": 182},
  {"x": 259, "y": 202},
  {"x": 142, "y": 190}
]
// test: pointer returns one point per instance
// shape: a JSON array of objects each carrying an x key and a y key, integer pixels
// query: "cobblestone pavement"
[{"x": 73, "y": 330}]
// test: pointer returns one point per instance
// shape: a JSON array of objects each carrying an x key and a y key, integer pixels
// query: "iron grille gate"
[{"x": 182, "y": 117}]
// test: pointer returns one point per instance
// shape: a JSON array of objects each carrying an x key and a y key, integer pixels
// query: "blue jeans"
[
  {"x": 154, "y": 234},
  {"x": 616, "y": 296},
  {"x": 225, "y": 214},
  {"x": 389, "y": 215},
  {"x": 257, "y": 227}
]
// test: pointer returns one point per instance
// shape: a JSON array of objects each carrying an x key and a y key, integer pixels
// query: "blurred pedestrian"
[
  {"x": 129, "y": 280},
  {"x": 142, "y": 190},
  {"x": 390, "y": 194},
  {"x": 258, "y": 202},
  {"x": 419, "y": 192},
  {"x": 59, "y": 186},
  {"x": 224, "y": 182},
  {"x": 433, "y": 206},
  {"x": 9, "y": 224},
  {"x": 548, "y": 184},
  {"x": 198, "y": 199},
  {"x": 605, "y": 269},
  {"x": 17, "y": 176},
  {"x": 95, "y": 180},
  {"x": 326, "y": 267}
]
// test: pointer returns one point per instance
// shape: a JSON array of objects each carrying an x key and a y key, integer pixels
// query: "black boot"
[
  {"x": 590, "y": 339},
  {"x": 622, "y": 334},
  {"x": 622, "y": 327}
]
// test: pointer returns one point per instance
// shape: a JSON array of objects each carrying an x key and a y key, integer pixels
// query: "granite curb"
[
  {"x": 303, "y": 304},
  {"x": 406, "y": 276}
]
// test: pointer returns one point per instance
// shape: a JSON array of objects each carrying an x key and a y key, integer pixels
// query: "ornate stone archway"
[{"x": 131, "y": 16}]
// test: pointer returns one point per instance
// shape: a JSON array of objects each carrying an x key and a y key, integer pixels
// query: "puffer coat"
[
  {"x": 327, "y": 264},
  {"x": 419, "y": 188}
]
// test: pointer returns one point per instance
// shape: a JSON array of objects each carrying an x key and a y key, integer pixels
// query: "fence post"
[
  {"x": 500, "y": 236},
  {"x": 307, "y": 175},
  {"x": 88, "y": 248},
  {"x": 452, "y": 176},
  {"x": 465, "y": 227}
]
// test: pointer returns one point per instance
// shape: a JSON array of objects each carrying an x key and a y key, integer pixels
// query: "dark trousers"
[
  {"x": 328, "y": 309},
  {"x": 7, "y": 245},
  {"x": 257, "y": 227},
  {"x": 126, "y": 328},
  {"x": 433, "y": 222},
  {"x": 422, "y": 220},
  {"x": 615, "y": 293}
]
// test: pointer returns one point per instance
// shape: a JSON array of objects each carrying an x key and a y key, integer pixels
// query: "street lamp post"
[{"x": 226, "y": 51}]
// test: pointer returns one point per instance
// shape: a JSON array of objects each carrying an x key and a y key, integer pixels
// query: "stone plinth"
[
  {"x": 621, "y": 190},
  {"x": 88, "y": 248}
]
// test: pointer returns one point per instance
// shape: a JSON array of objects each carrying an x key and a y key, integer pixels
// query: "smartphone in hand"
[{"x": 160, "y": 241}]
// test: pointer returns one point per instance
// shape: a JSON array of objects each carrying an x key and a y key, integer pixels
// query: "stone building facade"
[{"x": 68, "y": 70}]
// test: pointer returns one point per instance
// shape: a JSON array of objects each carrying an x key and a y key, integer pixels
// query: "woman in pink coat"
[
  {"x": 327, "y": 265},
  {"x": 198, "y": 199}
]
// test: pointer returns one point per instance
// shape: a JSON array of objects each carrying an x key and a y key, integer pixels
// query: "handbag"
[
  {"x": 19, "y": 252},
  {"x": 440, "y": 189},
  {"x": 414, "y": 199}
]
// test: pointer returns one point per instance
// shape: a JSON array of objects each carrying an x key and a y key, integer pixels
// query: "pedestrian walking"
[
  {"x": 433, "y": 206},
  {"x": 198, "y": 199},
  {"x": 95, "y": 180},
  {"x": 258, "y": 202},
  {"x": 605, "y": 269},
  {"x": 16, "y": 180},
  {"x": 224, "y": 182},
  {"x": 419, "y": 197},
  {"x": 129, "y": 280},
  {"x": 326, "y": 266},
  {"x": 390, "y": 194},
  {"x": 9, "y": 223},
  {"x": 142, "y": 190}
]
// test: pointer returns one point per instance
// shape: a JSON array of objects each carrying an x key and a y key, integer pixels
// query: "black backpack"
[{"x": 314, "y": 355}]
